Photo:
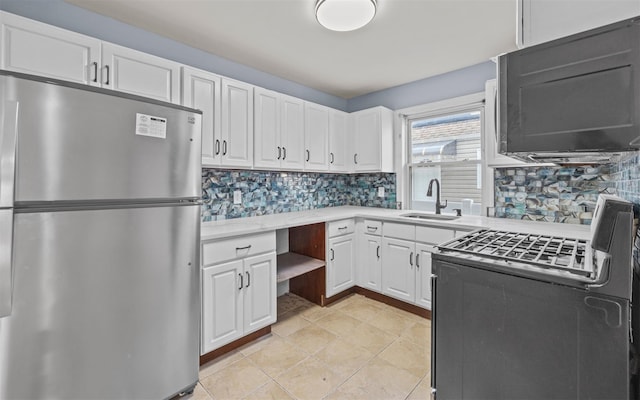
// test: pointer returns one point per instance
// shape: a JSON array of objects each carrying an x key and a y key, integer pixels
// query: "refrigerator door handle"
[
  {"x": 8, "y": 139},
  {"x": 6, "y": 246}
]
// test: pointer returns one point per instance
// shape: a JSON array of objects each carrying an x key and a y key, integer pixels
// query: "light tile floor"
[{"x": 356, "y": 348}]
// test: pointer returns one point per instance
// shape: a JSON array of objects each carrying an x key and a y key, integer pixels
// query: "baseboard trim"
[{"x": 212, "y": 355}]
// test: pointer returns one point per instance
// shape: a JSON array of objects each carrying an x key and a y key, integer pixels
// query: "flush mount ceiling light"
[{"x": 345, "y": 15}]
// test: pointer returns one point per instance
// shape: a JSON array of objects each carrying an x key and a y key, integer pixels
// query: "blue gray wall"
[{"x": 67, "y": 16}]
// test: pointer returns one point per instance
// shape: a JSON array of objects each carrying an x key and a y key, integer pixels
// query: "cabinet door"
[
  {"x": 138, "y": 73},
  {"x": 237, "y": 124},
  {"x": 340, "y": 270},
  {"x": 398, "y": 274},
  {"x": 35, "y": 48},
  {"x": 267, "y": 147},
  {"x": 423, "y": 275},
  {"x": 316, "y": 137},
  {"x": 222, "y": 306},
  {"x": 292, "y": 132},
  {"x": 338, "y": 143},
  {"x": 259, "y": 292},
  {"x": 367, "y": 126},
  {"x": 371, "y": 263},
  {"x": 201, "y": 90}
]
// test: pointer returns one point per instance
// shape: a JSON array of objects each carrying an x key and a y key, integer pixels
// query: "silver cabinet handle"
[
  {"x": 8, "y": 141},
  {"x": 308, "y": 155},
  {"x": 372, "y": 228},
  {"x": 332, "y": 255},
  {"x": 340, "y": 228},
  {"x": 241, "y": 284},
  {"x": 378, "y": 252},
  {"x": 284, "y": 153},
  {"x": 332, "y": 158},
  {"x": 279, "y": 152},
  {"x": 6, "y": 278},
  {"x": 243, "y": 248},
  {"x": 95, "y": 72},
  {"x": 248, "y": 278},
  {"x": 224, "y": 147},
  {"x": 355, "y": 158},
  {"x": 417, "y": 258},
  {"x": 411, "y": 259},
  {"x": 217, "y": 146},
  {"x": 106, "y": 67}
]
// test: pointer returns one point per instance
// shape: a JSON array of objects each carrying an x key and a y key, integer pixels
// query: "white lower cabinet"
[
  {"x": 406, "y": 260},
  {"x": 423, "y": 275},
  {"x": 238, "y": 296},
  {"x": 340, "y": 256}
]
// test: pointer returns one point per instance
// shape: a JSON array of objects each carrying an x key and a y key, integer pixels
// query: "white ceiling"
[{"x": 407, "y": 40}]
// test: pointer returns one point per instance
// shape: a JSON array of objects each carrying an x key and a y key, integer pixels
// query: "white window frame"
[{"x": 403, "y": 152}]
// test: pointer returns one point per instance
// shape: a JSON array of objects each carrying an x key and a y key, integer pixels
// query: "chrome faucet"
[{"x": 430, "y": 193}]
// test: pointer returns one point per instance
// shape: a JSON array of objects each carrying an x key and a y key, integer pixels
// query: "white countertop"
[{"x": 243, "y": 226}]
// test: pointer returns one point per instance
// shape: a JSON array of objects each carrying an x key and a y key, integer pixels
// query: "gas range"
[{"x": 559, "y": 257}]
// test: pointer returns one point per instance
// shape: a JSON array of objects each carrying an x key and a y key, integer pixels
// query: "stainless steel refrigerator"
[{"x": 99, "y": 234}]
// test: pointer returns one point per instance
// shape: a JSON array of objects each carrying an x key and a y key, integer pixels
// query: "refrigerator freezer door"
[
  {"x": 6, "y": 280},
  {"x": 78, "y": 144},
  {"x": 106, "y": 305}
]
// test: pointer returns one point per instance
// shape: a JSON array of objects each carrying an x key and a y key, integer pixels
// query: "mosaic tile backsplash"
[
  {"x": 553, "y": 194},
  {"x": 265, "y": 192},
  {"x": 561, "y": 194}
]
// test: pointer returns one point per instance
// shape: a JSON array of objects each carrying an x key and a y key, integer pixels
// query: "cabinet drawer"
[
  {"x": 237, "y": 247},
  {"x": 372, "y": 227},
  {"x": 433, "y": 235},
  {"x": 400, "y": 231},
  {"x": 341, "y": 227}
]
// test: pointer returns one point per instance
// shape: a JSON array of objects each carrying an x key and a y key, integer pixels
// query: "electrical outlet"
[
  {"x": 237, "y": 197},
  {"x": 381, "y": 191}
]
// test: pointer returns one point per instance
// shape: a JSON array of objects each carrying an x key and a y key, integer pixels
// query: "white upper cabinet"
[
  {"x": 237, "y": 123},
  {"x": 292, "y": 132},
  {"x": 201, "y": 90},
  {"x": 279, "y": 131},
  {"x": 544, "y": 20},
  {"x": 35, "y": 48},
  {"x": 372, "y": 140},
  {"x": 339, "y": 145},
  {"x": 135, "y": 72},
  {"x": 267, "y": 147},
  {"x": 316, "y": 137}
]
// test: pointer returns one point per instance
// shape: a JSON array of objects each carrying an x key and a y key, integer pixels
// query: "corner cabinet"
[
  {"x": 238, "y": 288},
  {"x": 372, "y": 140},
  {"x": 542, "y": 20},
  {"x": 35, "y": 48},
  {"x": 340, "y": 256}
]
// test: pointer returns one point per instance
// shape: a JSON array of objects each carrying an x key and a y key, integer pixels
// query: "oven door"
[{"x": 540, "y": 340}]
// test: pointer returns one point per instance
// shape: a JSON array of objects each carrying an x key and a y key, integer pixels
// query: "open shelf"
[{"x": 291, "y": 265}]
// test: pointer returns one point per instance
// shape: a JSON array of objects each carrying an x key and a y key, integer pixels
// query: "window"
[{"x": 445, "y": 144}]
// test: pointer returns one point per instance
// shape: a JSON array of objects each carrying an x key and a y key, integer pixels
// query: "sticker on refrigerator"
[{"x": 148, "y": 125}]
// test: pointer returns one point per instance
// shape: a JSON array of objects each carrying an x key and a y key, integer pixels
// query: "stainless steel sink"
[{"x": 437, "y": 217}]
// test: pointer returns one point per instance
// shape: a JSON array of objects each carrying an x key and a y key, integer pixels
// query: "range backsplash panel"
[
  {"x": 266, "y": 192},
  {"x": 552, "y": 194}
]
